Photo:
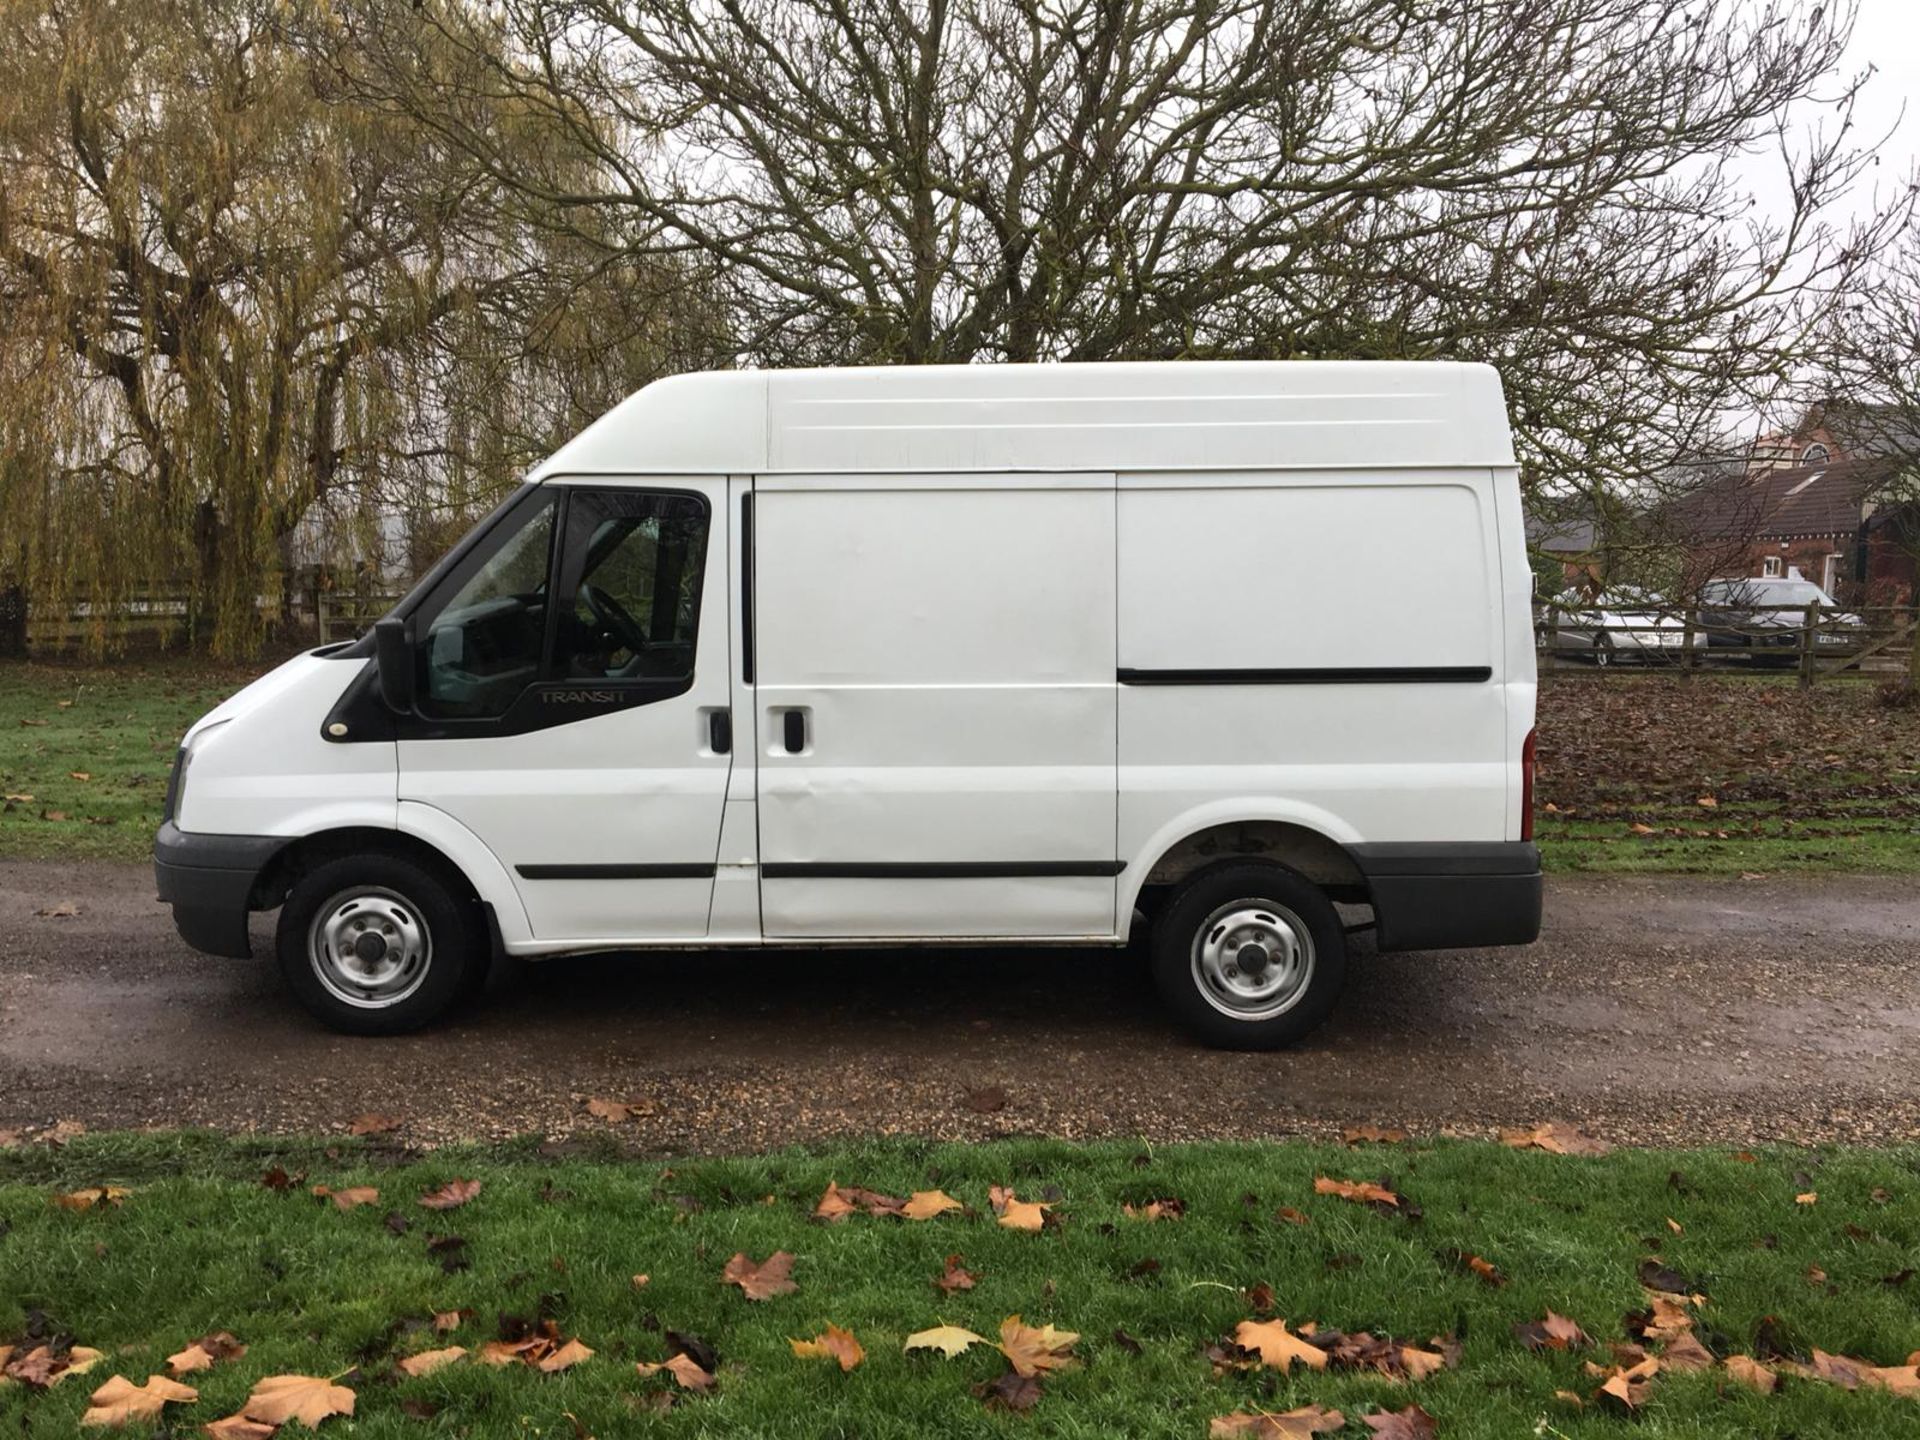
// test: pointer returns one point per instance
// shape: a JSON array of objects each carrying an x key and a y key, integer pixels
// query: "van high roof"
[{"x": 1132, "y": 416}]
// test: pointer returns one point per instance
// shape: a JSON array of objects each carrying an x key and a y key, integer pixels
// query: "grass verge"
[{"x": 202, "y": 1245}]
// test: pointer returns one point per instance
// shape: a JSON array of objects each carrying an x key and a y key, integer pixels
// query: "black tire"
[
  {"x": 1251, "y": 888},
  {"x": 410, "y": 901}
]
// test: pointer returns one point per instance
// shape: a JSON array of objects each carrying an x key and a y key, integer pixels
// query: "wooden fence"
[
  {"x": 158, "y": 617},
  {"x": 1818, "y": 643}
]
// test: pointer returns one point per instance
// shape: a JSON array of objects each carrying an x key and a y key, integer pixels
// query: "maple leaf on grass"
[
  {"x": 1034, "y": 1350},
  {"x": 107, "y": 1195},
  {"x": 1011, "y": 1391},
  {"x": 564, "y": 1357},
  {"x": 762, "y": 1279},
  {"x": 1750, "y": 1372},
  {"x": 1276, "y": 1346},
  {"x": 309, "y": 1399},
  {"x": 1556, "y": 1139},
  {"x": 1686, "y": 1353},
  {"x": 926, "y": 1204},
  {"x": 831, "y": 1344},
  {"x": 45, "y": 1366},
  {"x": 685, "y": 1371},
  {"x": 1412, "y": 1423},
  {"x": 1475, "y": 1265},
  {"x": 955, "y": 1276},
  {"x": 1628, "y": 1385},
  {"x": 239, "y": 1427},
  {"x": 949, "y": 1340},
  {"x": 348, "y": 1199},
  {"x": 838, "y": 1203},
  {"x": 1554, "y": 1332},
  {"x": 1362, "y": 1192},
  {"x": 428, "y": 1361},
  {"x": 1300, "y": 1424},
  {"x": 202, "y": 1353},
  {"x": 1166, "y": 1208},
  {"x": 1015, "y": 1213},
  {"x": 451, "y": 1195},
  {"x": 120, "y": 1402}
]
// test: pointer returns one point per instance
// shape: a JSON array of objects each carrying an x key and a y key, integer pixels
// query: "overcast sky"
[{"x": 1887, "y": 38}]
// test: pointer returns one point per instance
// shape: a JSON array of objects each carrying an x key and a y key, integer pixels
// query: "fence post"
[
  {"x": 1689, "y": 662},
  {"x": 1809, "y": 629},
  {"x": 1547, "y": 642}
]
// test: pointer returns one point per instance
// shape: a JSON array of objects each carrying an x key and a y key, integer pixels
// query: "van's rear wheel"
[
  {"x": 378, "y": 945},
  {"x": 1250, "y": 956}
]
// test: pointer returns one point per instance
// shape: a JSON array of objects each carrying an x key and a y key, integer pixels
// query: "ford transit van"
[{"x": 1025, "y": 655}]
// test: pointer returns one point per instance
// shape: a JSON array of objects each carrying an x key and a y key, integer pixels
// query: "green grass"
[
  {"x": 116, "y": 724},
  {"x": 202, "y": 1245}
]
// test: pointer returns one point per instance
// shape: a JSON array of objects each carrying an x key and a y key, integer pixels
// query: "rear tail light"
[{"x": 1526, "y": 787}]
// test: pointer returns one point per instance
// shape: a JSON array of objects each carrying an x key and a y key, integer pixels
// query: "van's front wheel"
[
  {"x": 377, "y": 945},
  {"x": 1251, "y": 956}
]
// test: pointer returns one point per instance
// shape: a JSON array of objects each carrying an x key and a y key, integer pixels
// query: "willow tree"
[
  {"x": 235, "y": 290},
  {"x": 1560, "y": 187}
]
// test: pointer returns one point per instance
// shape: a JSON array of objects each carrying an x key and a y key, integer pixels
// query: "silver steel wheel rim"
[
  {"x": 369, "y": 947},
  {"x": 1253, "y": 959}
]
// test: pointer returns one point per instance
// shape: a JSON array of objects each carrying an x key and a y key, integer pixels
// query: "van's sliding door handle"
[
  {"x": 794, "y": 731},
  {"x": 719, "y": 731}
]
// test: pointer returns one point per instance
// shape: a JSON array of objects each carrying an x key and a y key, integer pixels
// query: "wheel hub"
[
  {"x": 369, "y": 947},
  {"x": 1253, "y": 960}
]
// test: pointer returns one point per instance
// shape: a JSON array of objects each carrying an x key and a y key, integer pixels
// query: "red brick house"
[{"x": 1826, "y": 500}]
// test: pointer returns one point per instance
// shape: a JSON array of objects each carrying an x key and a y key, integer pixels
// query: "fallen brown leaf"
[
  {"x": 237, "y": 1427},
  {"x": 309, "y": 1399},
  {"x": 1554, "y": 1332},
  {"x": 949, "y": 1340},
  {"x": 428, "y": 1361},
  {"x": 373, "y": 1124},
  {"x": 1750, "y": 1372},
  {"x": 347, "y": 1199},
  {"x": 1163, "y": 1209},
  {"x": 1307, "y": 1421},
  {"x": 1011, "y": 1391},
  {"x": 1015, "y": 1213},
  {"x": 1686, "y": 1353},
  {"x": 1292, "y": 1216},
  {"x": 618, "y": 1112},
  {"x": 1555, "y": 1138},
  {"x": 955, "y": 1276},
  {"x": 120, "y": 1402},
  {"x": 563, "y": 1358},
  {"x": 93, "y": 1195},
  {"x": 451, "y": 1195},
  {"x": 926, "y": 1204},
  {"x": 685, "y": 1370},
  {"x": 1412, "y": 1423},
  {"x": 763, "y": 1279},
  {"x": 202, "y": 1353},
  {"x": 1628, "y": 1385},
  {"x": 44, "y": 1366},
  {"x": 1371, "y": 1135},
  {"x": 1034, "y": 1350},
  {"x": 1277, "y": 1346},
  {"x": 831, "y": 1344},
  {"x": 1364, "y": 1192}
]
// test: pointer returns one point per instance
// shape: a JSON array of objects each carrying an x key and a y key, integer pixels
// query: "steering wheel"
[{"x": 610, "y": 615}]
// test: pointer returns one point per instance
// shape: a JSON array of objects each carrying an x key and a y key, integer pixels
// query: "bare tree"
[{"x": 1550, "y": 185}]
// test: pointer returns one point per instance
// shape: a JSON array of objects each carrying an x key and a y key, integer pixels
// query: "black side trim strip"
[
  {"x": 1325, "y": 675},
  {"x": 615, "y": 872},
  {"x": 950, "y": 870},
  {"x": 1447, "y": 858},
  {"x": 746, "y": 588}
]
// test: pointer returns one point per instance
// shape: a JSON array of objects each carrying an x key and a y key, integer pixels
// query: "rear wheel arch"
[{"x": 1308, "y": 852}]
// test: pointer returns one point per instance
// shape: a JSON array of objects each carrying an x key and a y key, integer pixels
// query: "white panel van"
[{"x": 1011, "y": 655}]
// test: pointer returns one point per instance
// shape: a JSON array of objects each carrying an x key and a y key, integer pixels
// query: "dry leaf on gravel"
[
  {"x": 452, "y": 1195},
  {"x": 685, "y": 1370},
  {"x": 91, "y": 1196},
  {"x": 1277, "y": 1346},
  {"x": 120, "y": 1402},
  {"x": 926, "y": 1204},
  {"x": 1412, "y": 1423},
  {"x": 428, "y": 1361},
  {"x": 761, "y": 1279},
  {"x": 1363, "y": 1192},
  {"x": 1034, "y": 1350},
  {"x": 949, "y": 1340},
  {"x": 618, "y": 1112},
  {"x": 373, "y": 1124},
  {"x": 1015, "y": 1213},
  {"x": 1301, "y": 1424},
  {"x": 833, "y": 1343},
  {"x": 353, "y": 1195},
  {"x": 65, "y": 910},
  {"x": 309, "y": 1399},
  {"x": 1556, "y": 1138}
]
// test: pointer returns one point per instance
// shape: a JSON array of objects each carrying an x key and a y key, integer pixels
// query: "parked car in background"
[
  {"x": 1763, "y": 613},
  {"x": 1623, "y": 622}
]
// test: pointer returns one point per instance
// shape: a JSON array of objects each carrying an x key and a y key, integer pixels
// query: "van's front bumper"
[
  {"x": 209, "y": 881},
  {"x": 1452, "y": 896}
]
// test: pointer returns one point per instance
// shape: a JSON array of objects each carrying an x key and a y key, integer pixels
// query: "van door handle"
[
  {"x": 719, "y": 731},
  {"x": 794, "y": 731}
]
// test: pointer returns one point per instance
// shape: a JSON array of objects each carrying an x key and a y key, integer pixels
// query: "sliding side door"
[{"x": 936, "y": 705}]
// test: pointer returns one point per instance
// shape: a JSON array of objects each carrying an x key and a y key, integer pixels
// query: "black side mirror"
[{"x": 393, "y": 658}]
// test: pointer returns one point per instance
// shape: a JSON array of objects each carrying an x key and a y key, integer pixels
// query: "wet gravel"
[{"x": 1653, "y": 1010}]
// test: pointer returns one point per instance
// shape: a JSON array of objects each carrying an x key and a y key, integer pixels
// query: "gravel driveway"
[{"x": 1652, "y": 1010}]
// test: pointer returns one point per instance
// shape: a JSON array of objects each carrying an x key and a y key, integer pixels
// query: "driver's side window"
[{"x": 632, "y": 572}]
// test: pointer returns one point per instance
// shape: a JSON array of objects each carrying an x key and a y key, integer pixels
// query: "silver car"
[
  {"x": 1767, "y": 613},
  {"x": 1623, "y": 622}
]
